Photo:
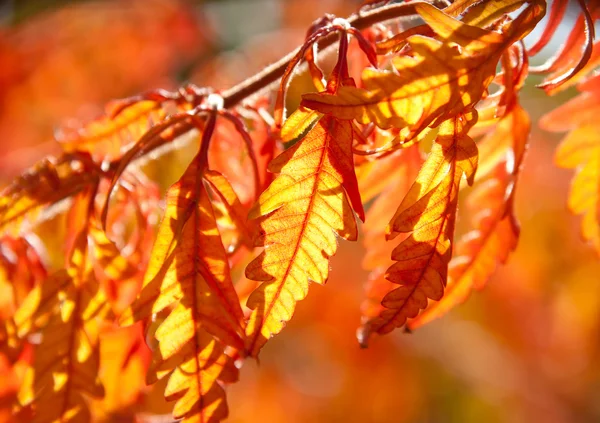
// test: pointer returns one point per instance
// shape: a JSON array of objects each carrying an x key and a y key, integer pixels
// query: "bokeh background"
[{"x": 525, "y": 349}]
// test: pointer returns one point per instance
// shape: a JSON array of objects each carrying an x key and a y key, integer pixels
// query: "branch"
[{"x": 273, "y": 72}]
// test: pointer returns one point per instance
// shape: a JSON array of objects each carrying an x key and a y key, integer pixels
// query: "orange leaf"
[
  {"x": 569, "y": 63},
  {"x": 189, "y": 270},
  {"x": 230, "y": 201},
  {"x": 428, "y": 211},
  {"x": 197, "y": 373},
  {"x": 67, "y": 308},
  {"x": 301, "y": 211},
  {"x": 298, "y": 123},
  {"x": 392, "y": 177},
  {"x": 109, "y": 136},
  {"x": 47, "y": 183},
  {"x": 580, "y": 150},
  {"x": 66, "y": 362},
  {"x": 189, "y": 273},
  {"x": 418, "y": 94},
  {"x": 496, "y": 232}
]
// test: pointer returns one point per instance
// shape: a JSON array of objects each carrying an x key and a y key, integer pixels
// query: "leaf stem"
[{"x": 275, "y": 71}]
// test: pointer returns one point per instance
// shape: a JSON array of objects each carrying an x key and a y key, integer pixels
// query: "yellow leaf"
[
  {"x": 47, "y": 183},
  {"x": 580, "y": 150},
  {"x": 390, "y": 178},
  {"x": 234, "y": 210},
  {"x": 428, "y": 212},
  {"x": 197, "y": 374},
  {"x": 109, "y": 136},
  {"x": 300, "y": 213},
  {"x": 41, "y": 303},
  {"x": 189, "y": 273},
  {"x": 67, "y": 359},
  {"x": 108, "y": 257},
  {"x": 442, "y": 78},
  {"x": 298, "y": 123},
  {"x": 496, "y": 230},
  {"x": 188, "y": 269}
]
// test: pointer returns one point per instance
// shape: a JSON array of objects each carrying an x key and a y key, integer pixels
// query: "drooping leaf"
[
  {"x": 66, "y": 309},
  {"x": 248, "y": 135},
  {"x": 569, "y": 63},
  {"x": 234, "y": 211},
  {"x": 196, "y": 377},
  {"x": 496, "y": 230},
  {"x": 66, "y": 362},
  {"x": 189, "y": 274},
  {"x": 428, "y": 213},
  {"x": 391, "y": 178},
  {"x": 189, "y": 270},
  {"x": 300, "y": 213},
  {"x": 557, "y": 11},
  {"x": 124, "y": 362},
  {"x": 580, "y": 150},
  {"x": 419, "y": 94},
  {"x": 21, "y": 269},
  {"x": 108, "y": 257}
]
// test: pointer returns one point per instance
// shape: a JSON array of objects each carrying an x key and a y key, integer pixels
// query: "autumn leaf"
[
  {"x": 428, "y": 212},
  {"x": 580, "y": 150},
  {"x": 67, "y": 310},
  {"x": 496, "y": 230},
  {"x": 236, "y": 158},
  {"x": 109, "y": 136},
  {"x": 390, "y": 178},
  {"x": 483, "y": 12},
  {"x": 47, "y": 183},
  {"x": 188, "y": 275},
  {"x": 298, "y": 123},
  {"x": 72, "y": 369},
  {"x": 189, "y": 270},
  {"x": 418, "y": 94},
  {"x": 234, "y": 211},
  {"x": 568, "y": 64},
  {"x": 21, "y": 269},
  {"x": 196, "y": 377},
  {"x": 444, "y": 75},
  {"x": 124, "y": 361},
  {"x": 300, "y": 213}
]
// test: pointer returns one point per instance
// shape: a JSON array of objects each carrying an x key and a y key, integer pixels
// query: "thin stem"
[{"x": 273, "y": 72}]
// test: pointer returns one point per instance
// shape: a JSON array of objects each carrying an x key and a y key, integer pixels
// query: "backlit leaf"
[
  {"x": 197, "y": 373},
  {"x": 392, "y": 176},
  {"x": 47, "y": 183},
  {"x": 109, "y": 136},
  {"x": 67, "y": 310},
  {"x": 580, "y": 150},
  {"x": 428, "y": 212},
  {"x": 419, "y": 94},
  {"x": 300, "y": 213},
  {"x": 189, "y": 270},
  {"x": 189, "y": 274},
  {"x": 496, "y": 230}
]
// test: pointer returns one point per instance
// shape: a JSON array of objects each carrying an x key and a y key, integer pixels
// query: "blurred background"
[{"x": 525, "y": 349}]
